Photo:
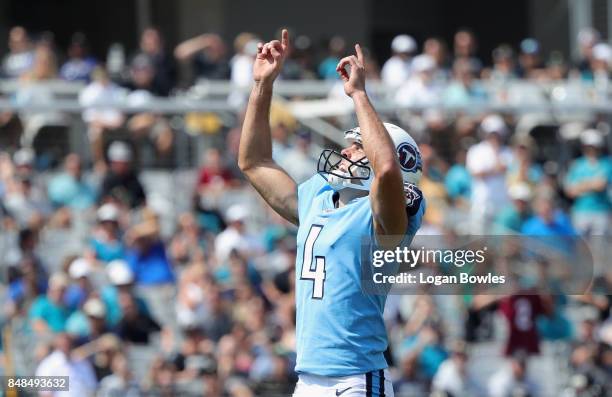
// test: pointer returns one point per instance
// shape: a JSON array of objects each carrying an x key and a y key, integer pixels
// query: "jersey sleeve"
[{"x": 307, "y": 191}]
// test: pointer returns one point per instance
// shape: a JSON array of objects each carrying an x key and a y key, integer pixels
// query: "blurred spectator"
[
  {"x": 299, "y": 65},
  {"x": 121, "y": 280},
  {"x": 587, "y": 182},
  {"x": 80, "y": 271},
  {"x": 80, "y": 64},
  {"x": 121, "y": 182},
  {"x": 547, "y": 220},
  {"x": 411, "y": 381},
  {"x": 106, "y": 243},
  {"x": 162, "y": 378},
  {"x": 420, "y": 89},
  {"x": 69, "y": 189},
  {"x": 437, "y": 50},
  {"x": 523, "y": 170},
  {"x": 587, "y": 38},
  {"x": 453, "y": 378},
  {"x": 235, "y": 236},
  {"x": 458, "y": 181},
  {"x": 49, "y": 312},
  {"x": 121, "y": 382},
  {"x": 208, "y": 55},
  {"x": 504, "y": 68},
  {"x": 512, "y": 380},
  {"x": 529, "y": 61},
  {"x": 101, "y": 93},
  {"x": 464, "y": 48},
  {"x": 600, "y": 66},
  {"x": 464, "y": 89},
  {"x": 162, "y": 64},
  {"x": 146, "y": 254},
  {"x": 82, "y": 379},
  {"x": 521, "y": 312},
  {"x": 245, "y": 47},
  {"x": 335, "y": 51},
  {"x": 511, "y": 218},
  {"x": 298, "y": 160},
  {"x": 397, "y": 69},
  {"x": 26, "y": 275},
  {"x": 135, "y": 325},
  {"x": 20, "y": 58},
  {"x": 487, "y": 162},
  {"x": 186, "y": 244},
  {"x": 214, "y": 176},
  {"x": 89, "y": 322}
]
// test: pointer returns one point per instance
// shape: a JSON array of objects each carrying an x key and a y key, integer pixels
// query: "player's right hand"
[{"x": 270, "y": 58}]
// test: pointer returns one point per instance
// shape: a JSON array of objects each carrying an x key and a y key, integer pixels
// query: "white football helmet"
[{"x": 359, "y": 174}]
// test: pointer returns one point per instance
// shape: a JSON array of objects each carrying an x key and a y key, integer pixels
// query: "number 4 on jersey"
[{"x": 318, "y": 273}]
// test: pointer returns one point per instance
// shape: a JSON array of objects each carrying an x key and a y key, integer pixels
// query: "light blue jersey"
[{"x": 340, "y": 330}]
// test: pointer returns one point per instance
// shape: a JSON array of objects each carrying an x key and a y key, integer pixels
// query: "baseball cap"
[
  {"x": 79, "y": 267},
  {"x": 119, "y": 151},
  {"x": 520, "y": 191},
  {"x": 530, "y": 46},
  {"x": 95, "y": 308},
  {"x": 237, "y": 212},
  {"x": 423, "y": 63},
  {"x": 494, "y": 123},
  {"x": 592, "y": 137},
  {"x": 403, "y": 44},
  {"x": 119, "y": 272},
  {"x": 108, "y": 212},
  {"x": 602, "y": 52},
  {"x": 588, "y": 36},
  {"x": 23, "y": 157}
]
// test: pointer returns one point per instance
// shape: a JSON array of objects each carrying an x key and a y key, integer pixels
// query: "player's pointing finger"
[
  {"x": 285, "y": 39},
  {"x": 359, "y": 53}
]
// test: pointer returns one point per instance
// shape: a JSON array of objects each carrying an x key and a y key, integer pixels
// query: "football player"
[{"x": 366, "y": 190}]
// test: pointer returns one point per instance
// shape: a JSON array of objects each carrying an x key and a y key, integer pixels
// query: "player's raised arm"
[
  {"x": 255, "y": 153},
  {"x": 386, "y": 195}
]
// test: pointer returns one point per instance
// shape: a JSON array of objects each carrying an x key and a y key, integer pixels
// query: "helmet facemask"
[{"x": 358, "y": 174}]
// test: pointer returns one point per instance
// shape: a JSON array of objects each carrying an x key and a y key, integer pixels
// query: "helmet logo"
[{"x": 408, "y": 157}]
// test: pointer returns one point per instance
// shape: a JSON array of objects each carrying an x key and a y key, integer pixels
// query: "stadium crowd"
[{"x": 101, "y": 283}]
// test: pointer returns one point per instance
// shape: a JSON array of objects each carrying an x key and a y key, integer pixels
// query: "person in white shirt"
[
  {"x": 420, "y": 89},
  {"x": 512, "y": 380},
  {"x": 235, "y": 237},
  {"x": 487, "y": 162},
  {"x": 452, "y": 377},
  {"x": 241, "y": 64},
  {"x": 397, "y": 68},
  {"x": 82, "y": 378}
]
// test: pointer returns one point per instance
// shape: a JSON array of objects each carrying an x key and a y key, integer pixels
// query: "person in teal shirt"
[
  {"x": 69, "y": 189},
  {"x": 49, "y": 312},
  {"x": 511, "y": 218},
  {"x": 587, "y": 182}
]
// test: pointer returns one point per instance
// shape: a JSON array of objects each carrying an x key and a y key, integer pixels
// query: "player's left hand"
[{"x": 354, "y": 77}]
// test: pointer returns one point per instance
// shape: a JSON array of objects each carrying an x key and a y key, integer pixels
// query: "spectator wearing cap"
[
  {"x": 69, "y": 189},
  {"x": 587, "y": 39},
  {"x": 162, "y": 63},
  {"x": 600, "y": 67},
  {"x": 20, "y": 58},
  {"x": 529, "y": 61},
  {"x": 60, "y": 362},
  {"x": 121, "y": 182},
  {"x": 510, "y": 219},
  {"x": 106, "y": 243},
  {"x": 464, "y": 90},
  {"x": 487, "y": 162},
  {"x": 89, "y": 322},
  {"x": 396, "y": 70},
  {"x": 80, "y": 64},
  {"x": 420, "y": 89},
  {"x": 121, "y": 280},
  {"x": 587, "y": 182},
  {"x": 235, "y": 236},
  {"x": 208, "y": 56},
  {"x": 77, "y": 292},
  {"x": 335, "y": 50},
  {"x": 49, "y": 312}
]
